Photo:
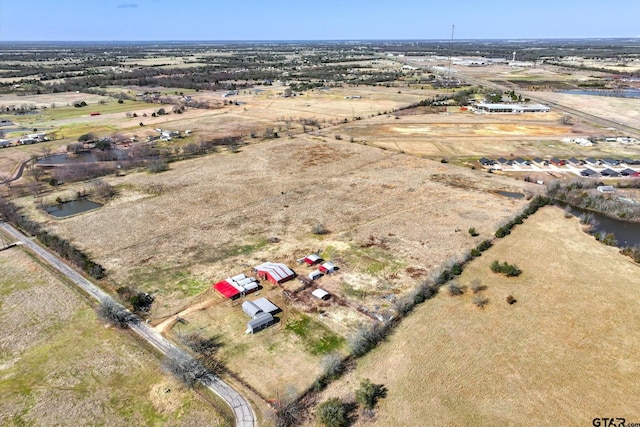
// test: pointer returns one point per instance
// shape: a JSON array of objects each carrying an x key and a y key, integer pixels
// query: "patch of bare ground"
[
  {"x": 59, "y": 365},
  {"x": 569, "y": 335},
  {"x": 460, "y": 134}
]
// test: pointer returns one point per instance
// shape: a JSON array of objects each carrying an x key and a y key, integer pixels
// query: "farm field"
[
  {"x": 59, "y": 364},
  {"x": 175, "y": 234},
  {"x": 570, "y": 335},
  {"x": 281, "y": 189}
]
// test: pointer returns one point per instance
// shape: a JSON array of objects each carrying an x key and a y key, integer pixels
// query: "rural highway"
[{"x": 242, "y": 411}]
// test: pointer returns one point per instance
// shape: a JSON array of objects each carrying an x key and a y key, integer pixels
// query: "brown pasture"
[{"x": 548, "y": 358}]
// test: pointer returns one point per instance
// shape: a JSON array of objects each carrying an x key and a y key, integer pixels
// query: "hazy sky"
[{"x": 314, "y": 20}]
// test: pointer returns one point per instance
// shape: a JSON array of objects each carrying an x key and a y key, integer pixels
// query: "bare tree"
[
  {"x": 184, "y": 367},
  {"x": 114, "y": 314}
]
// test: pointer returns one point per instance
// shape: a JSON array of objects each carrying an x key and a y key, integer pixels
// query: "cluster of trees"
[
  {"x": 583, "y": 194},
  {"x": 334, "y": 412},
  {"x": 140, "y": 302},
  {"x": 509, "y": 270},
  {"x": 535, "y": 204}
]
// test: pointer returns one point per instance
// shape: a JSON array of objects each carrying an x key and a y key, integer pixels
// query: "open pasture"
[
  {"x": 60, "y": 365},
  {"x": 213, "y": 215},
  {"x": 549, "y": 356}
]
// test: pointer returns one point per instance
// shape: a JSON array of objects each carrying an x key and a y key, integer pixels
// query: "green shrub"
[
  {"x": 484, "y": 245},
  {"x": 505, "y": 268},
  {"x": 332, "y": 413}
]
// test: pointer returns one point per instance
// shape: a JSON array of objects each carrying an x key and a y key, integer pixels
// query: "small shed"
[
  {"x": 251, "y": 309},
  {"x": 606, "y": 189},
  {"x": 627, "y": 172},
  {"x": 312, "y": 259},
  {"x": 259, "y": 322},
  {"x": 315, "y": 274},
  {"x": 321, "y": 294},
  {"x": 327, "y": 268}
]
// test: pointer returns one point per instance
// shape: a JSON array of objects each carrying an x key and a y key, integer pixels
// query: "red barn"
[
  {"x": 236, "y": 286},
  {"x": 274, "y": 272},
  {"x": 227, "y": 289},
  {"x": 312, "y": 259}
]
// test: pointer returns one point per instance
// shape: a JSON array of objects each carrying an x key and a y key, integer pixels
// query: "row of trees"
[{"x": 62, "y": 247}]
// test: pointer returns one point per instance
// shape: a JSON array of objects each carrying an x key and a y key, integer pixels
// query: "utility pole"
[{"x": 453, "y": 27}]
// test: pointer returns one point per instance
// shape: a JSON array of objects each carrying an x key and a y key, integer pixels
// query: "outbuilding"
[
  {"x": 327, "y": 268},
  {"x": 259, "y": 322},
  {"x": 266, "y": 306},
  {"x": 251, "y": 309},
  {"x": 312, "y": 259},
  {"x": 236, "y": 286},
  {"x": 315, "y": 274},
  {"x": 274, "y": 272},
  {"x": 321, "y": 294}
]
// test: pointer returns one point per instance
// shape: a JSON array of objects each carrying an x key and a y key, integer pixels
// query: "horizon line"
[{"x": 322, "y": 40}]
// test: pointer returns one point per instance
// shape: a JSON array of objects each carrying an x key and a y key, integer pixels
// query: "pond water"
[
  {"x": 510, "y": 194},
  {"x": 620, "y": 93},
  {"x": 72, "y": 208},
  {"x": 89, "y": 157},
  {"x": 627, "y": 233}
]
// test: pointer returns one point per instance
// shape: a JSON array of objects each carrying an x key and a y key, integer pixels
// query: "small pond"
[
  {"x": 619, "y": 93},
  {"x": 74, "y": 207},
  {"x": 510, "y": 194},
  {"x": 627, "y": 233},
  {"x": 90, "y": 157}
]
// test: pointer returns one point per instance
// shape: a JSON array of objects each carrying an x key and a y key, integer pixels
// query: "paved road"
[{"x": 242, "y": 410}]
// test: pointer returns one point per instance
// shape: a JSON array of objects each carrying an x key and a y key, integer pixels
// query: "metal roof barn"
[
  {"x": 266, "y": 306},
  {"x": 261, "y": 321},
  {"x": 312, "y": 259},
  {"x": 315, "y": 274},
  {"x": 327, "y": 267},
  {"x": 321, "y": 294},
  {"x": 236, "y": 286},
  {"x": 274, "y": 272},
  {"x": 227, "y": 289},
  {"x": 251, "y": 309}
]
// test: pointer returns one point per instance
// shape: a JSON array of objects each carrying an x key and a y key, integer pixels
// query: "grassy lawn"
[
  {"x": 59, "y": 365},
  {"x": 546, "y": 359}
]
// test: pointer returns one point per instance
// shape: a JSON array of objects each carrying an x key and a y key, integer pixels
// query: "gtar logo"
[{"x": 609, "y": 422}]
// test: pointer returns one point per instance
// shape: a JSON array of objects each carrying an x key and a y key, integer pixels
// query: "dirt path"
[{"x": 168, "y": 323}]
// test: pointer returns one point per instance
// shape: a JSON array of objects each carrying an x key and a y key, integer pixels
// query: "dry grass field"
[
  {"x": 564, "y": 353},
  {"x": 212, "y": 216},
  {"x": 60, "y": 366},
  {"x": 392, "y": 219},
  {"x": 463, "y": 134}
]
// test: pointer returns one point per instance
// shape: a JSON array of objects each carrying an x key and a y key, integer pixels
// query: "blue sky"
[{"x": 53, "y": 20}]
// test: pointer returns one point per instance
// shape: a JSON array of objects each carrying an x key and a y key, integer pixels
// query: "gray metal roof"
[
  {"x": 250, "y": 308},
  {"x": 261, "y": 320},
  {"x": 266, "y": 305}
]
